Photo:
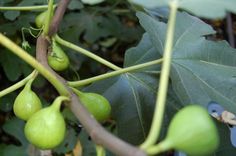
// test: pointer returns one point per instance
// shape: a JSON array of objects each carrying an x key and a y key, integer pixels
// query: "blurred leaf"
[
  {"x": 69, "y": 142},
  {"x": 11, "y": 15},
  {"x": 12, "y": 150},
  {"x": 88, "y": 23},
  {"x": 15, "y": 127},
  {"x": 121, "y": 30},
  {"x": 6, "y": 1},
  {"x": 151, "y": 3},
  {"x": 94, "y": 27},
  {"x": 13, "y": 66},
  {"x": 31, "y": 2},
  {"x": 75, "y": 5},
  {"x": 10, "y": 64},
  {"x": 88, "y": 147},
  {"x": 6, "y": 102},
  {"x": 202, "y": 8},
  {"x": 67, "y": 114}
]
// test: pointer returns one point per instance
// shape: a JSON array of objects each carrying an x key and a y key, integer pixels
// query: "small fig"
[
  {"x": 46, "y": 128},
  {"x": 57, "y": 59},
  {"x": 96, "y": 104},
  {"x": 192, "y": 131},
  {"x": 26, "y": 103},
  {"x": 40, "y": 19}
]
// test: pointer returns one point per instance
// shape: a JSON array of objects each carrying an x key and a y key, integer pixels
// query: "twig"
[{"x": 58, "y": 17}]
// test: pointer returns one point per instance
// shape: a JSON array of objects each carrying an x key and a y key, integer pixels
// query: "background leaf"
[
  {"x": 15, "y": 127},
  {"x": 201, "y": 8},
  {"x": 6, "y": 102},
  {"x": 68, "y": 143},
  {"x": 88, "y": 147},
  {"x": 12, "y": 150}
]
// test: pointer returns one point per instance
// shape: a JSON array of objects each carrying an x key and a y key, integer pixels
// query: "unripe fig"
[
  {"x": 57, "y": 59},
  {"x": 40, "y": 19},
  {"x": 46, "y": 128},
  {"x": 96, "y": 104},
  {"x": 26, "y": 103},
  {"x": 192, "y": 131}
]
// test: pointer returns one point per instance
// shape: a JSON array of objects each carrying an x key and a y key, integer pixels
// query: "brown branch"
[
  {"x": 94, "y": 129},
  {"x": 58, "y": 17}
]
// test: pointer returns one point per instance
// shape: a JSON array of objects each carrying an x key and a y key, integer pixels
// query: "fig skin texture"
[
  {"x": 57, "y": 59},
  {"x": 26, "y": 103},
  {"x": 46, "y": 128},
  {"x": 96, "y": 104},
  {"x": 192, "y": 131}
]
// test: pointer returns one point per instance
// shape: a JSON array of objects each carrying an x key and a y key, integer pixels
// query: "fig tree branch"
[{"x": 94, "y": 129}]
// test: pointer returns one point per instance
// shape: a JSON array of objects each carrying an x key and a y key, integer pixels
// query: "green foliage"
[
  {"x": 132, "y": 95},
  {"x": 15, "y": 127},
  {"x": 202, "y": 70},
  {"x": 193, "y": 58},
  {"x": 202, "y": 8}
]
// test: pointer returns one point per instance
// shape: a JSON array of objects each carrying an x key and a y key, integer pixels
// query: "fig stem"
[
  {"x": 163, "y": 146},
  {"x": 86, "y": 53},
  {"x": 57, "y": 102},
  {"x": 113, "y": 73},
  {"x": 76, "y": 91},
  {"x": 34, "y": 63},
  {"x": 31, "y": 80},
  {"x": 48, "y": 17},
  {"x": 164, "y": 79},
  {"x": 25, "y": 8},
  {"x": 18, "y": 84}
]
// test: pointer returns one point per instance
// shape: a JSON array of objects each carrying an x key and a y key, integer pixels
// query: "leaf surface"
[
  {"x": 201, "y": 8},
  {"x": 133, "y": 95}
]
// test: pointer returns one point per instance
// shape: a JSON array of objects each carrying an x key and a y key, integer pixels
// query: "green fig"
[
  {"x": 26, "y": 103},
  {"x": 192, "y": 131},
  {"x": 46, "y": 128},
  {"x": 96, "y": 104},
  {"x": 40, "y": 19},
  {"x": 57, "y": 59}
]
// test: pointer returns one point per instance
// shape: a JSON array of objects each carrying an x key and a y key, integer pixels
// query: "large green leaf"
[
  {"x": 133, "y": 95},
  {"x": 202, "y": 8},
  {"x": 202, "y": 70}
]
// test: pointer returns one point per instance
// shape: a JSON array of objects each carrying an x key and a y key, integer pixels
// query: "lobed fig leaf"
[
  {"x": 26, "y": 103},
  {"x": 96, "y": 104},
  {"x": 192, "y": 131},
  {"x": 57, "y": 59},
  {"x": 46, "y": 128}
]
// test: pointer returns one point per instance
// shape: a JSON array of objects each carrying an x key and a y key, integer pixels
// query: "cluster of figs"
[{"x": 191, "y": 130}]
